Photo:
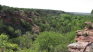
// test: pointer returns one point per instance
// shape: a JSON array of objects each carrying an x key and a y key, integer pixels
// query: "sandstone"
[{"x": 84, "y": 40}]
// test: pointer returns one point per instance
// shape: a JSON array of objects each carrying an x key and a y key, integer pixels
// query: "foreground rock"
[{"x": 84, "y": 39}]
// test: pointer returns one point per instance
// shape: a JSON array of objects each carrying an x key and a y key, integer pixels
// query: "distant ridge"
[{"x": 80, "y": 13}]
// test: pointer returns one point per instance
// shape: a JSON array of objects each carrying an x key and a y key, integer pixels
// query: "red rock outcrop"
[
  {"x": 84, "y": 39},
  {"x": 7, "y": 18}
]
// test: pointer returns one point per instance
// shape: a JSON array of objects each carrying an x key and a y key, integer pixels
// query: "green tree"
[
  {"x": 7, "y": 46},
  {"x": 14, "y": 19},
  {"x": 26, "y": 25},
  {"x": 0, "y": 7},
  {"x": 24, "y": 41},
  {"x": 3, "y": 40},
  {"x": 48, "y": 40},
  {"x": 18, "y": 32},
  {"x": 1, "y": 26}
]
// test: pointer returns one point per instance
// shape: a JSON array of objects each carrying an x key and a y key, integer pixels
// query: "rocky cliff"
[
  {"x": 84, "y": 39},
  {"x": 17, "y": 17}
]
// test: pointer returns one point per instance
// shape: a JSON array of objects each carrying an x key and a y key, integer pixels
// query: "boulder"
[
  {"x": 75, "y": 46},
  {"x": 89, "y": 25},
  {"x": 90, "y": 32},
  {"x": 82, "y": 32}
]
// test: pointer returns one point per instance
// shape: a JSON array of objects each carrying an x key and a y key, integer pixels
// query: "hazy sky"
[{"x": 64, "y": 5}]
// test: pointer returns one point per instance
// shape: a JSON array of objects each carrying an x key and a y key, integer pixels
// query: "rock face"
[
  {"x": 84, "y": 39},
  {"x": 35, "y": 29}
]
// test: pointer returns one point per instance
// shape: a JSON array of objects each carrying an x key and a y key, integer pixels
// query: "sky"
[{"x": 64, "y": 5}]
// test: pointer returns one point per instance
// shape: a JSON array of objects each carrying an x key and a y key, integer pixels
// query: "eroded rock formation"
[
  {"x": 35, "y": 29},
  {"x": 84, "y": 39}
]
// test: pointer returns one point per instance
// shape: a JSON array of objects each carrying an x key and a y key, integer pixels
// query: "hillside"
[
  {"x": 38, "y": 30},
  {"x": 24, "y": 19}
]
